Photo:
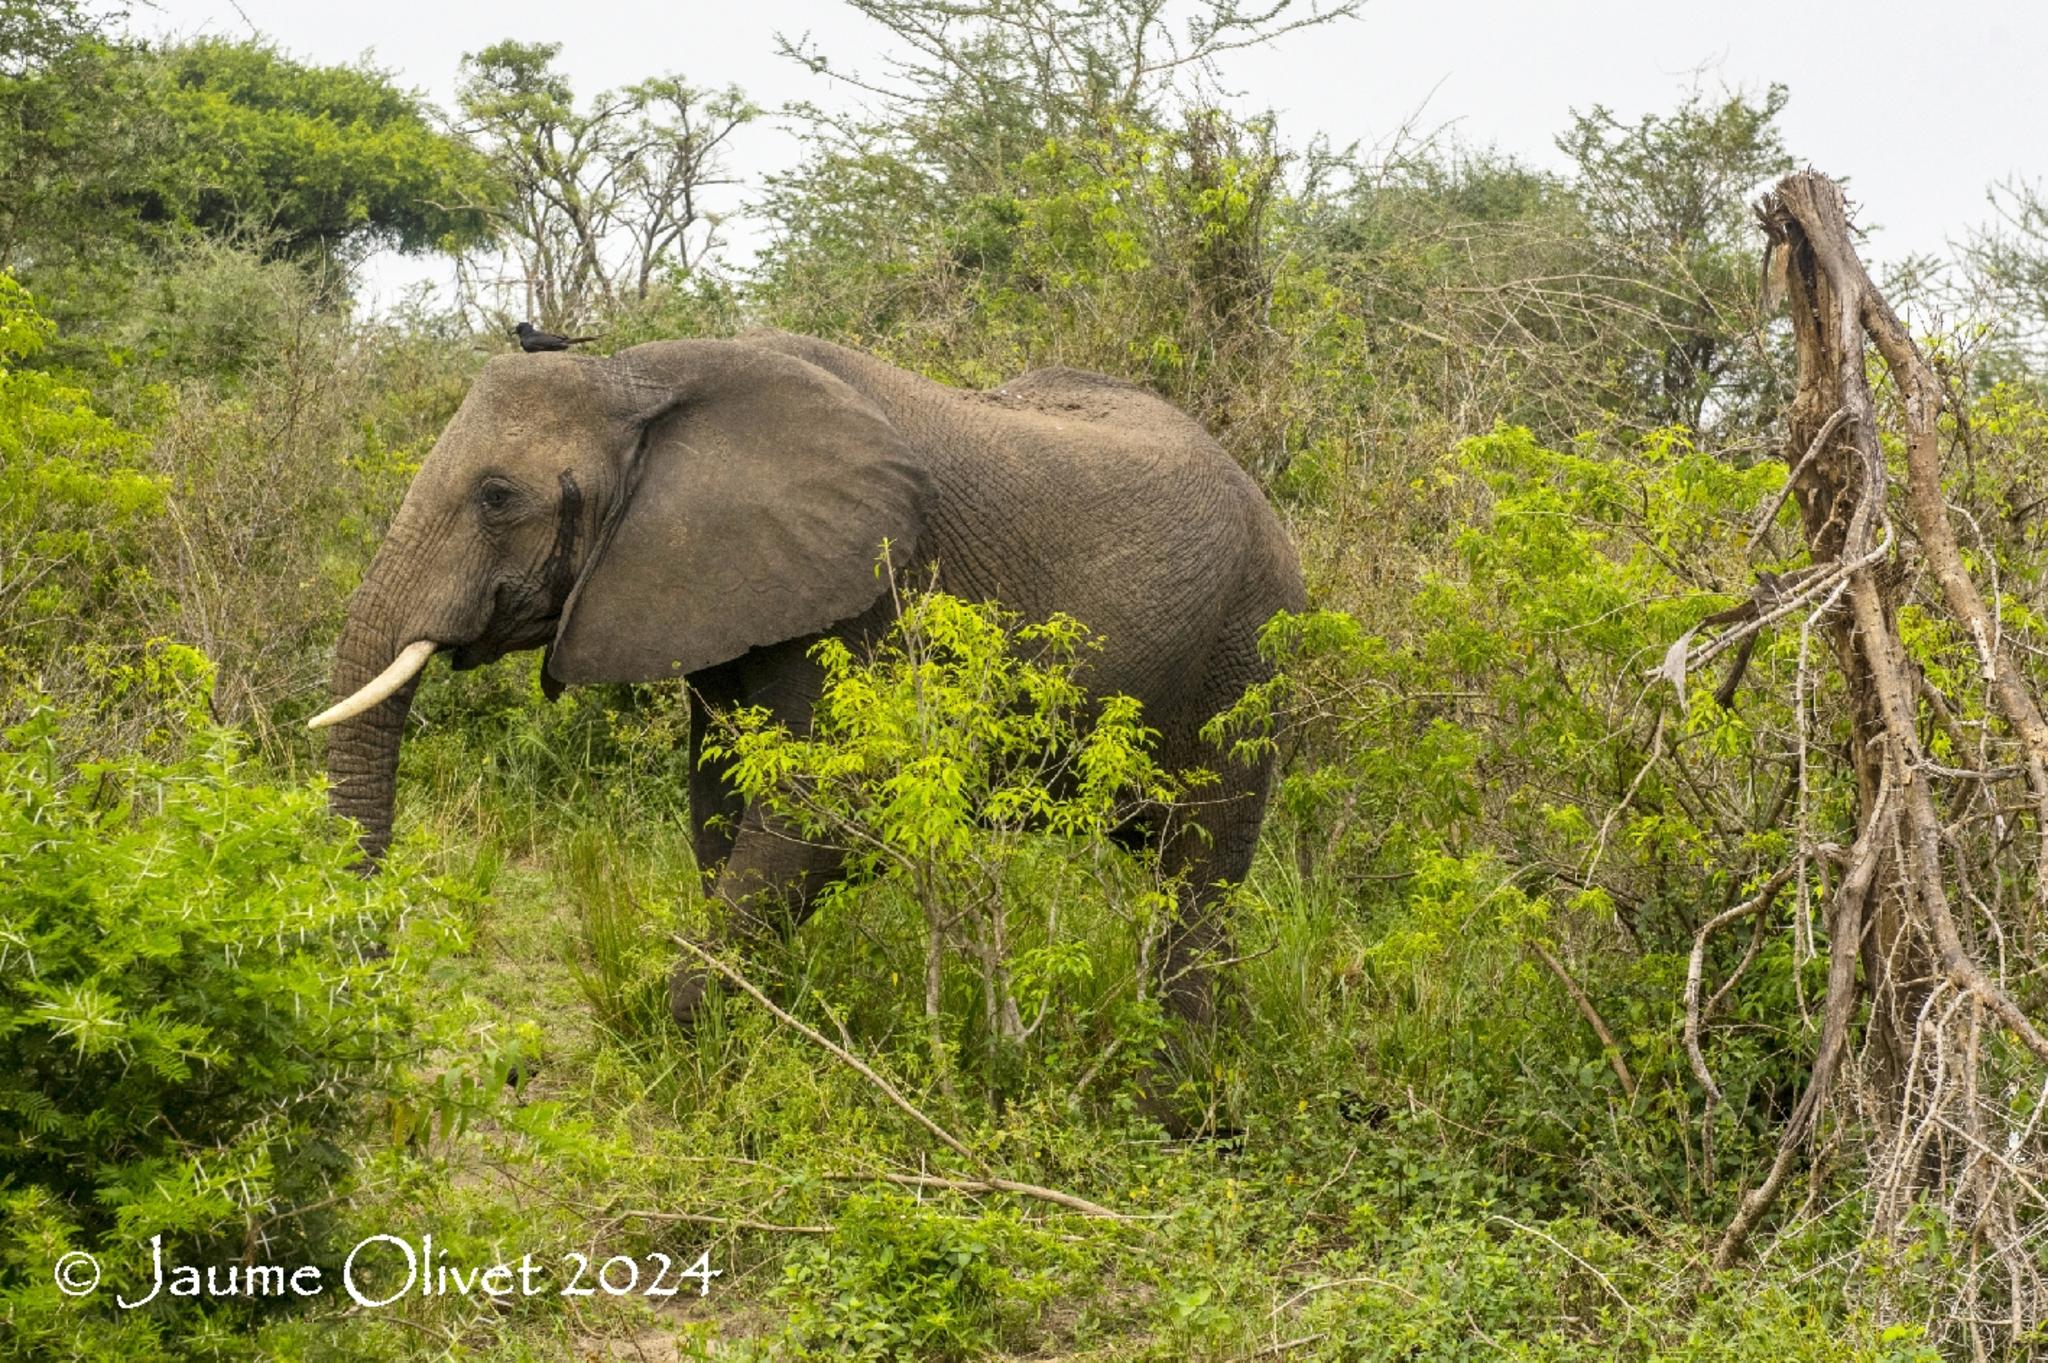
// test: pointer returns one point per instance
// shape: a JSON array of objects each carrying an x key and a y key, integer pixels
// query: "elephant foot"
[
  {"x": 1192, "y": 1000},
  {"x": 691, "y": 986},
  {"x": 1161, "y": 1098},
  {"x": 689, "y": 992}
]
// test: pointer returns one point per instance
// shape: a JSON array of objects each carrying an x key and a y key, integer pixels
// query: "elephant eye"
[{"x": 496, "y": 494}]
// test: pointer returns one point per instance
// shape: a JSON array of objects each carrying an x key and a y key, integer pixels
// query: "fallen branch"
[
  {"x": 846, "y": 1057},
  {"x": 1832, "y": 579},
  {"x": 1592, "y": 1017},
  {"x": 1554, "y": 1243},
  {"x": 994, "y": 1185},
  {"x": 691, "y": 1218},
  {"x": 735, "y": 1222},
  {"x": 1845, "y": 934},
  {"x": 1335, "y": 1283},
  {"x": 988, "y": 1183}
]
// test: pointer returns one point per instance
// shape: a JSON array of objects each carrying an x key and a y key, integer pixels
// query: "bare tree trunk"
[{"x": 1895, "y": 943}]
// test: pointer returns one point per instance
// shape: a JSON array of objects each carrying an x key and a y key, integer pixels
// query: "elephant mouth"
[
  {"x": 466, "y": 656},
  {"x": 479, "y": 651}
]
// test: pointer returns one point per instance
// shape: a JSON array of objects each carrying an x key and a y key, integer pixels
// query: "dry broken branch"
[
  {"x": 833, "y": 1048},
  {"x": 1608, "y": 1044},
  {"x": 1894, "y": 940},
  {"x": 1695, "y": 1014},
  {"x": 987, "y": 1183}
]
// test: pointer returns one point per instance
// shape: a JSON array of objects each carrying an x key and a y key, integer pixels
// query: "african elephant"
[{"x": 709, "y": 509}]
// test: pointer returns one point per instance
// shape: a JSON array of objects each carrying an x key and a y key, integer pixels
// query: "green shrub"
[
  {"x": 1480, "y": 784},
  {"x": 193, "y": 1005},
  {"x": 901, "y": 1279},
  {"x": 73, "y": 494},
  {"x": 947, "y": 763}
]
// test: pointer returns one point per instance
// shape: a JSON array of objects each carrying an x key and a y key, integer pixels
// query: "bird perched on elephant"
[
  {"x": 534, "y": 341},
  {"x": 709, "y": 509}
]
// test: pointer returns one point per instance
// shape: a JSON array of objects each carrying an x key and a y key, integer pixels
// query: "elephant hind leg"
[
  {"x": 771, "y": 882},
  {"x": 1207, "y": 851}
]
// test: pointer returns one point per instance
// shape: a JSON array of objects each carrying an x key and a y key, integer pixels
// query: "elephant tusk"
[{"x": 380, "y": 688}]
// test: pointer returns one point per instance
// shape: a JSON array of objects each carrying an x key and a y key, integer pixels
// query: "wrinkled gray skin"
[{"x": 708, "y": 509}]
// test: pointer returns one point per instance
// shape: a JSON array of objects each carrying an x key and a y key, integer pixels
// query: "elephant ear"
[{"x": 760, "y": 493}]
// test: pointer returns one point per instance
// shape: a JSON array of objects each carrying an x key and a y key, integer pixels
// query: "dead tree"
[{"x": 1922, "y": 1035}]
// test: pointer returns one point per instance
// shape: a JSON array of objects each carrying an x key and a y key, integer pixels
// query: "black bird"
[{"x": 533, "y": 340}]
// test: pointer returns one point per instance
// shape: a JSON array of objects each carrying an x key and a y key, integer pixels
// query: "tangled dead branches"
[{"x": 1923, "y": 1051}]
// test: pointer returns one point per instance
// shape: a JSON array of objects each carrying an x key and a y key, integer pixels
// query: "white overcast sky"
[{"x": 1922, "y": 107}]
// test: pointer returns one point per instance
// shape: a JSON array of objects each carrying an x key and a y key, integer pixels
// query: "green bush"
[
  {"x": 73, "y": 494},
  {"x": 947, "y": 763},
  {"x": 1480, "y": 786},
  {"x": 901, "y": 1279},
  {"x": 195, "y": 1000}
]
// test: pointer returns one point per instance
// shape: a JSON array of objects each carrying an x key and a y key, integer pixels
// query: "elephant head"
[{"x": 640, "y": 517}]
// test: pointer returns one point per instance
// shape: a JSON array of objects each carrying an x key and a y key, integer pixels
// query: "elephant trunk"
[{"x": 362, "y": 752}]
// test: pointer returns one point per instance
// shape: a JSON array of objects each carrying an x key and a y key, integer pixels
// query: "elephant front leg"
[
  {"x": 767, "y": 888},
  {"x": 715, "y": 803}
]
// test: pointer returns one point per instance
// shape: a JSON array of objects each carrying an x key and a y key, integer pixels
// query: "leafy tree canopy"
[
  {"x": 114, "y": 148},
  {"x": 323, "y": 159}
]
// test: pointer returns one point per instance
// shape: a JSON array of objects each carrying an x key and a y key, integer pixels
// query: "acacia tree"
[
  {"x": 975, "y": 86},
  {"x": 2010, "y": 258},
  {"x": 1048, "y": 182},
  {"x": 604, "y": 203},
  {"x": 116, "y": 152}
]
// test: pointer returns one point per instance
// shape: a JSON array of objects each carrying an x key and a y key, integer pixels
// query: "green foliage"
[
  {"x": 897, "y": 1279},
  {"x": 626, "y": 924},
  {"x": 74, "y": 499},
  {"x": 1514, "y": 418},
  {"x": 1435, "y": 1287},
  {"x": 191, "y": 1013},
  {"x": 1496, "y": 786},
  {"x": 144, "y": 492},
  {"x": 1573, "y": 573},
  {"x": 120, "y": 150},
  {"x": 71, "y": 144},
  {"x": 1133, "y": 248},
  {"x": 330, "y": 161},
  {"x": 965, "y": 721},
  {"x": 941, "y": 764}
]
